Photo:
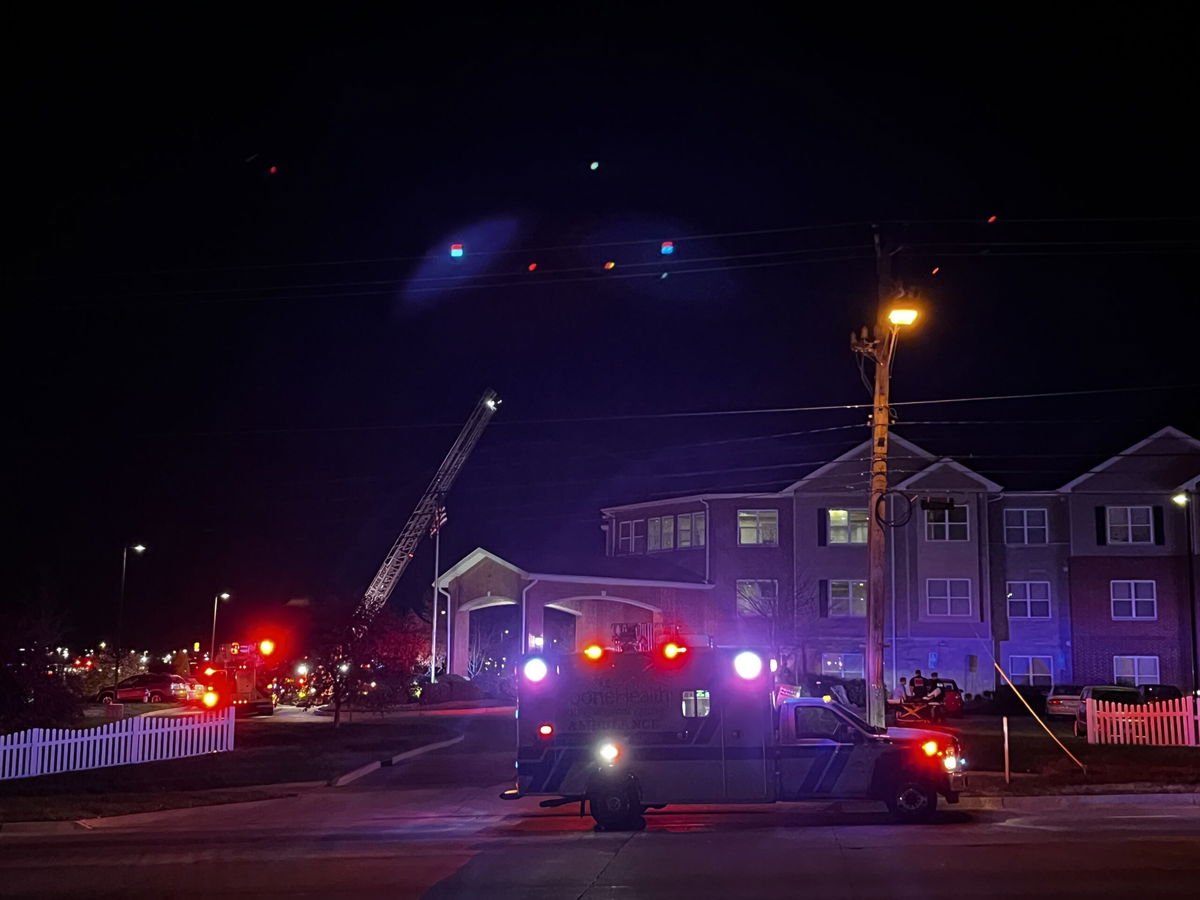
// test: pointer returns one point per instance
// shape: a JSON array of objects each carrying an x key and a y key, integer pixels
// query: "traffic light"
[{"x": 456, "y": 251}]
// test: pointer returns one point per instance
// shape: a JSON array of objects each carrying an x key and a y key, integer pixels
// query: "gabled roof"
[
  {"x": 689, "y": 498},
  {"x": 1169, "y": 431},
  {"x": 634, "y": 570},
  {"x": 856, "y": 454},
  {"x": 947, "y": 462},
  {"x": 470, "y": 561}
]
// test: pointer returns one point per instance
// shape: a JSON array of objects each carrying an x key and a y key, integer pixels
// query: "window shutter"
[
  {"x": 1159, "y": 537},
  {"x": 823, "y": 598},
  {"x": 1101, "y": 526},
  {"x": 822, "y": 527}
]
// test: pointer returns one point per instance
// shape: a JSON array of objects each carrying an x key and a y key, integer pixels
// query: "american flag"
[{"x": 439, "y": 520}]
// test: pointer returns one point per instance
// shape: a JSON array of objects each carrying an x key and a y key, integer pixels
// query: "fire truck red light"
[
  {"x": 593, "y": 651},
  {"x": 532, "y": 267},
  {"x": 936, "y": 269},
  {"x": 274, "y": 170},
  {"x": 991, "y": 220},
  {"x": 673, "y": 650},
  {"x": 546, "y": 730}
]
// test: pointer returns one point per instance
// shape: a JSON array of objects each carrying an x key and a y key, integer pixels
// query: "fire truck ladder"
[{"x": 418, "y": 523}]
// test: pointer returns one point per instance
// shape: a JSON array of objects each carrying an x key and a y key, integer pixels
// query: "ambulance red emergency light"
[{"x": 623, "y": 732}]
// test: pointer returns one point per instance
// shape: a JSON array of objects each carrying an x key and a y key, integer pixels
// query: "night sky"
[{"x": 235, "y": 333}]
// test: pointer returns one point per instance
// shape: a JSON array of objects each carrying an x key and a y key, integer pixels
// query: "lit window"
[
  {"x": 758, "y": 527},
  {"x": 1031, "y": 670},
  {"x": 1135, "y": 670},
  {"x": 847, "y": 598},
  {"x": 1130, "y": 525},
  {"x": 948, "y": 596},
  {"x": 660, "y": 533},
  {"x": 757, "y": 598},
  {"x": 842, "y": 665},
  {"x": 631, "y": 537},
  {"x": 696, "y": 704},
  {"x": 1134, "y": 599},
  {"x": 847, "y": 526},
  {"x": 1025, "y": 526},
  {"x": 946, "y": 524},
  {"x": 1029, "y": 599}
]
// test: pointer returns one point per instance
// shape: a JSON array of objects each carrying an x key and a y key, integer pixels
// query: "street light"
[
  {"x": 139, "y": 549},
  {"x": 1183, "y": 501},
  {"x": 212, "y": 651},
  {"x": 880, "y": 347}
]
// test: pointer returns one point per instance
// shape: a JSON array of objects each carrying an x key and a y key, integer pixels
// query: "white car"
[{"x": 1063, "y": 700}]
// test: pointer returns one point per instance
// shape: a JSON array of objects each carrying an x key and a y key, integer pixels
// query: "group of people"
[{"x": 917, "y": 688}]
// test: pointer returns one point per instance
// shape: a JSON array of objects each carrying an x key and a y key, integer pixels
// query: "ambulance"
[{"x": 626, "y": 731}]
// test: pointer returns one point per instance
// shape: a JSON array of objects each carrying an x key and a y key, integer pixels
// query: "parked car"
[
  {"x": 1152, "y": 692},
  {"x": 148, "y": 688},
  {"x": 1063, "y": 700},
  {"x": 947, "y": 691},
  {"x": 1110, "y": 693}
]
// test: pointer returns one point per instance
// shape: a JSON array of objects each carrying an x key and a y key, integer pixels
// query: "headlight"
[{"x": 950, "y": 762}]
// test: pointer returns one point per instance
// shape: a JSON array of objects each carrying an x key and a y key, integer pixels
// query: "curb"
[
  {"x": 40, "y": 828},
  {"x": 1067, "y": 801},
  {"x": 391, "y": 761}
]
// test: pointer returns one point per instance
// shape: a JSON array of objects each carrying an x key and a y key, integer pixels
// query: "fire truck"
[
  {"x": 623, "y": 731},
  {"x": 236, "y": 677}
]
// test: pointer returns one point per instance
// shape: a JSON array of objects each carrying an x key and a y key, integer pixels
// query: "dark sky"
[{"x": 255, "y": 374}]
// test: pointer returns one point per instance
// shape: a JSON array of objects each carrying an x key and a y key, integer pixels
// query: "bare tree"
[
  {"x": 486, "y": 638},
  {"x": 783, "y": 617}
]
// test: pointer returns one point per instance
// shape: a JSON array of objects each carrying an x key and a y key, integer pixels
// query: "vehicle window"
[
  {"x": 696, "y": 704},
  {"x": 816, "y": 722},
  {"x": 1117, "y": 696},
  {"x": 1066, "y": 689},
  {"x": 129, "y": 682}
]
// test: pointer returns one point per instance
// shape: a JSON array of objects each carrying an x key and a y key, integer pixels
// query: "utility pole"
[
  {"x": 879, "y": 345},
  {"x": 439, "y": 519}
]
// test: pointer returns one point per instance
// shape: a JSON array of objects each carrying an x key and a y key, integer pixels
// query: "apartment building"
[{"x": 1091, "y": 582}]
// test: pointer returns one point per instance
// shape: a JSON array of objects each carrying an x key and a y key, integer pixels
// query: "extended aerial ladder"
[{"x": 422, "y": 517}]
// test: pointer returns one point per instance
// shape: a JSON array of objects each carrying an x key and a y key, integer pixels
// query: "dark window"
[{"x": 816, "y": 722}]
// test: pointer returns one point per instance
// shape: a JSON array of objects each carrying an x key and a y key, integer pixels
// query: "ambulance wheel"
[
  {"x": 614, "y": 809},
  {"x": 912, "y": 801}
]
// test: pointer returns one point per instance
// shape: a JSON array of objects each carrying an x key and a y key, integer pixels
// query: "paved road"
[{"x": 436, "y": 828}]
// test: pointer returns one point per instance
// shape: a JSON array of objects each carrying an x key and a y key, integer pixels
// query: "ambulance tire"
[
  {"x": 912, "y": 801},
  {"x": 615, "y": 808}
]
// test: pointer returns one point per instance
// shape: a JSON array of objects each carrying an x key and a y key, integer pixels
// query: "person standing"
[{"x": 918, "y": 686}]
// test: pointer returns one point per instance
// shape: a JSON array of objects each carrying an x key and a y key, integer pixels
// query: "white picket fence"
[
  {"x": 44, "y": 751},
  {"x": 1162, "y": 723}
]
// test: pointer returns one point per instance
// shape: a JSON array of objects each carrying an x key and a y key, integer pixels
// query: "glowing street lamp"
[
  {"x": 212, "y": 652},
  {"x": 139, "y": 549},
  {"x": 902, "y": 316}
]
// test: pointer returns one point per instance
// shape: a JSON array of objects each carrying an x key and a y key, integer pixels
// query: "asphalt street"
[{"x": 435, "y": 827}]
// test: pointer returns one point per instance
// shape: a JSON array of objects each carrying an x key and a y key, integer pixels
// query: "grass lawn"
[
  {"x": 269, "y": 751},
  {"x": 1032, "y": 751}
]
